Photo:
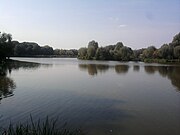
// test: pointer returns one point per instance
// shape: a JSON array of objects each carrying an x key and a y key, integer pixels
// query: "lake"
[{"x": 100, "y": 97}]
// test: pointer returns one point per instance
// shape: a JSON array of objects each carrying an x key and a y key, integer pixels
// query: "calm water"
[{"x": 102, "y": 98}]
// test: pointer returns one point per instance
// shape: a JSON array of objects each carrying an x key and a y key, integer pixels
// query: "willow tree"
[{"x": 6, "y": 48}]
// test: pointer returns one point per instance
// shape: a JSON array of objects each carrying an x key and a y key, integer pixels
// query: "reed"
[{"x": 48, "y": 127}]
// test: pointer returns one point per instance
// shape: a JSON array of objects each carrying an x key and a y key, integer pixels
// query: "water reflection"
[
  {"x": 93, "y": 69},
  {"x": 113, "y": 101},
  {"x": 136, "y": 68},
  {"x": 171, "y": 72},
  {"x": 121, "y": 69},
  {"x": 7, "y": 84},
  {"x": 16, "y": 65}
]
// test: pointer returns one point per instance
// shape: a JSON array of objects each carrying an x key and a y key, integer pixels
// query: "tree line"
[
  {"x": 33, "y": 49},
  {"x": 9, "y": 48},
  {"x": 120, "y": 52}
]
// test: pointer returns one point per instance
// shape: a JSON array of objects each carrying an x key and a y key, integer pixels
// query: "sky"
[{"x": 73, "y": 23}]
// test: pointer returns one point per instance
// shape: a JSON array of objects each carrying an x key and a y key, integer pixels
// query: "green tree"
[
  {"x": 47, "y": 50},
  {"x": 4, "y": 37},
  {"x": 82, "y": 53},
  {"x": 91, "y": 52},
  {"x": 148, "y": 53},
  {"x": 93, "y": 44},
  {"x": 118, "y": 46},
  {"x": 100, "y": 54},
  {"x": 6, "y": 48},
  {"x": 164, "y": 52},
  {"x": 176, "y": 40},
  {"x": 126, "y": 53},
  {"x": 122, "y": 53},
  {"x": 117, "y": 51},
  {"x": 109, "y": 52},
  {"x": 177, "y": 52},
  {"x": 57, "y": 52},
  {"x": 137, "y": 54}
]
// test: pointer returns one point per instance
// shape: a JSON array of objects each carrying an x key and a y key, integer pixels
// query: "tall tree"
[
  {"x": 176, "y": 40},
  {"x": 164, "y": 52},
  {"x": 177, "y": 52},
  {"x": 91, "y": 51},
  {"x": 82, "y": 53},
  {"x": 148, "y": 53},
  {"x": 100, "y": 54},
  {"x": 6, "y": 47},
  {"x": 93, "y": 44}
]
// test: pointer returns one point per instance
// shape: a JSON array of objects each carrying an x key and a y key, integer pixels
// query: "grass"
[
  {"x": 155, "y": 61},
  {"x": 162, "y": 61},
  {"x": 48, "y": 127}
]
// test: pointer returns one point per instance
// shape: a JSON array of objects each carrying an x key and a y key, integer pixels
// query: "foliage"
[
  {"x": 137, "y": 54},
  {"x": 91, "y": 51},
  {"x": 100, "y": 54},
  {"x": 149, "y": 52},
  {"x": 14, "y": 48},
  {"x": 111, "y": 52},
  {"x": 177, "y": 52},
  {"x": 125, "y": 53},
  {"x": 166, "y": 53},
  {"x": 176, "y": 40},
  {"x": 93, "y": 44},
  {"x": 119, "y": 52},
  {"x": 82, "y": 53},
  {"x": 65, "y": 53},
  {"x": 33, "y": 49},
  {"x": 5, "y": 46}
]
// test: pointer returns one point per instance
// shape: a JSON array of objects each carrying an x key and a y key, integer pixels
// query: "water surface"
[{"x": 101, "y": 97}]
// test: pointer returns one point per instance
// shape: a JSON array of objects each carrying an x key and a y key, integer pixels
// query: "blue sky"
[{"x": 73, "y": 23}]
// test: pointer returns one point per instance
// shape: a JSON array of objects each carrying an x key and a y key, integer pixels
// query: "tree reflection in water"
[
  {"x": 121, "y": 69},
  {"x": 94, "y": 69},
  {"x": 171, "y": 72},
  {"x": 7, "y": 84},
  {"x": 136, "y": 68}
]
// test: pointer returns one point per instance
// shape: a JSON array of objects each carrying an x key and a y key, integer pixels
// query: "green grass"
[
  {"x": 155, "y": 60},
  {"x": 162, "y": 61},
  {"x": 48, "y": 127}
]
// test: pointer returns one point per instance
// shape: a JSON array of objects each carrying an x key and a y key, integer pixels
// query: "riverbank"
[
  {"x": 162, "y": 61},
  {"x": 47, "y": 56}
]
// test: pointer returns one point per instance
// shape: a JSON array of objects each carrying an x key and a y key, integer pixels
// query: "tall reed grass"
[{"x": 48, "y": 127}]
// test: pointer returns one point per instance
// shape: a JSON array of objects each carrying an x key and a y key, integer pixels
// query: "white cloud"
[{"x": 122, "y": 25}]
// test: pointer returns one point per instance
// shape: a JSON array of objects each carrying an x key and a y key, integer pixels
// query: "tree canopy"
[
  {"x": 120, "y": 52},
  {"x": 6, "y": 47}
]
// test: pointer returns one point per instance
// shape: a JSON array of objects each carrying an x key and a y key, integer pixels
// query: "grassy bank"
[{"x": 162, "y": 61}]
